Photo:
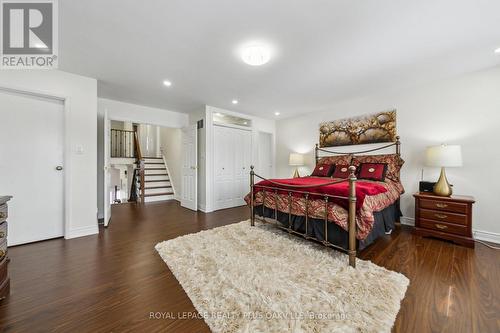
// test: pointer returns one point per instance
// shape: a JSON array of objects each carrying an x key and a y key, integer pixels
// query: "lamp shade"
[
  {"x": 444, "y": 156},
  {"x": 296, "y": 159}
]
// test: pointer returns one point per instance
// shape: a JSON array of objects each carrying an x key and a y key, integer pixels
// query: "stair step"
[
  {"x": 159, "y": 198},
  {"x": 155, "y": 187},
  {"x": 157, "y": 191},
  {"x": 158, "y": 177},
  {"x": 153, "y": 163},
  {"x": 158, "y": 194},
  {"x": 157, "y": 180}
]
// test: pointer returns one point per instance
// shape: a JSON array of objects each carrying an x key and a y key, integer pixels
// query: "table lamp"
[
  {"x": 443, "y": 156},
  {"x": 296, "y": 160}
]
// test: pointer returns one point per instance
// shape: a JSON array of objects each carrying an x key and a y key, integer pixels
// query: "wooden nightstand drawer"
[
  {"x": 444, "y": 227},
  {"x": 448, "y": 218},
  {"x": 3, "y": 232},
  {"x": 456, "y": 207},
  {"x": 3, "y": 213},
  {"x": 3, "y": 270},
  {"x": 3, "y": 250},
  {"x": 440, "y": 216}
]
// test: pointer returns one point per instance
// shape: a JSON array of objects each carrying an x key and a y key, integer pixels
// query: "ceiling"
[{"x": 325, "y": 50}]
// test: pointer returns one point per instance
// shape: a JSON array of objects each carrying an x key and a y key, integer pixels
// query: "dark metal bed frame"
[{"x": 296, "y": 189}]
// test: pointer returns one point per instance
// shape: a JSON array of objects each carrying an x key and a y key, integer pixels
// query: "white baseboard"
[
  {"x": 407, "y": 221},
  {"x": 202, "y": 207},
  {"x": 486, "y": 236},
  {"x": 82, "y": 231}
]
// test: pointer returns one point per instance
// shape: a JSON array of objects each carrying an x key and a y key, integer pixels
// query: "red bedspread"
[{"x": 363, "y": 188}]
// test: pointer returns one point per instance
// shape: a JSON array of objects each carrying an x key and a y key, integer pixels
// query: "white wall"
[
  {"x": 130, "y": 113},
  {"x": 81, "y": 99},
  {"x": 258, "y": 124},
  {"x": 464, "y": 110},
  {"x": 171, "y": 146}
]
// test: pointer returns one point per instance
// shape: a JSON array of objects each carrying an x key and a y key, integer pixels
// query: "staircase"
[{"x": 157, "y": 186}]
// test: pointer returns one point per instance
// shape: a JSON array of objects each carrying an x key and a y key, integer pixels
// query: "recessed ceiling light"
[
  {"x": 255, "y": 54},
  {"x": 167, "y": 83},
  {"x": 235, "y": 101},
  {"x": 497, "y": 51},
  {"x": 277, "y": 113}
]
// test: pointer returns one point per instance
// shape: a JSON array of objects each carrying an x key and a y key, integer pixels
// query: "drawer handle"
[
  {"x": 440, "y": 205},
  {"x": 440, "y": 226},
  {"x": 2, "y": 215},
  {"x": 2, "y": 234},
  {"x": 440, "y": 216}
]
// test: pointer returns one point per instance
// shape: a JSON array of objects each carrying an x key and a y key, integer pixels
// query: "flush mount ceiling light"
[
  {"x": 277, "y": 113},
  {"x": 497, "y": 51},
  {"x": 167, "y": 83},
  {"x": 235, "y": 101},
  {"x": 255, "y": 54}
]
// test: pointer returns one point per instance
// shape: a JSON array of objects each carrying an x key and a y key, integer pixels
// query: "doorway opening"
[{"x": 143, "y": 163}]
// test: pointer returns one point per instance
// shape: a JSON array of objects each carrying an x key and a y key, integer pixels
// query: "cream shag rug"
[{"x": 261, "y": 279}]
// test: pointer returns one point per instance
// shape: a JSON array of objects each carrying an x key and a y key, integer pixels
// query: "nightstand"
[{"x": 448, "y": 218}]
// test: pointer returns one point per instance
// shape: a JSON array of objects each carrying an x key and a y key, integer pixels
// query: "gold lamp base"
[
  {"x": 296, "y": 173},
  {"x": 442, "y": 187}
]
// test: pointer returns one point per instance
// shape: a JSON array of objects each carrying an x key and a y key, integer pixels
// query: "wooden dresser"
[
  {"x": 444, "y": 217},
  {"x": 4, "y": 261}
]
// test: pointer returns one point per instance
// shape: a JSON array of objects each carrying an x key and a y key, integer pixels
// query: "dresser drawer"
[
  {"x": 440, "y": 216},
  {"x": 3, "y": 250},
  {"x": 3, "y": 271},
  {"x": 3, "y": 232},
  {"x": 3, "y": 213},
  {"x": 456, "y": 207},
  {"x": 444, "y": 227}
]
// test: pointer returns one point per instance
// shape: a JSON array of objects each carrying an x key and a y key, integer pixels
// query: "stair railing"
[
  {"x": 122, "y": 144},
  {"x": 140, "y": 162}
]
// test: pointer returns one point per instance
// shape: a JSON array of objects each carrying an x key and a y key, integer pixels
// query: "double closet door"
[{"x": 232, "y": 157}]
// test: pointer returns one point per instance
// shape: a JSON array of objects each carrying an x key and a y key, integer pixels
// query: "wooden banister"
[{"x": 138, "y": 152}]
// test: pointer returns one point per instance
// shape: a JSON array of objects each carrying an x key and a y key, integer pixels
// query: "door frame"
[
  {"x": 66, "y": 146},
  {"x": 273, "y": 150}
]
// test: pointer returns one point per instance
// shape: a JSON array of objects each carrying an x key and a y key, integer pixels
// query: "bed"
[{"x": 344, "y": 212}]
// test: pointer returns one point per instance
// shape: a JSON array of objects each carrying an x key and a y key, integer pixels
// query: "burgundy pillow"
[
  {"x": 372, "y": 171},
  {"x": 323, "y": 170},
  {"x": 341, "y": 171}
]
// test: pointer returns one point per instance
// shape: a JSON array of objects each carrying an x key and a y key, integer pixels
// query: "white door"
[
  {"x": 223, "y": 167},
  {"x": 232, "y": 159},
  {"x": 108, "y": 191},
  {"x": 266, "y": 165},
  {"x": 189, "y": 195},
  {"x": 242, "y": 156},
  {"x": 31, "y": 165}
]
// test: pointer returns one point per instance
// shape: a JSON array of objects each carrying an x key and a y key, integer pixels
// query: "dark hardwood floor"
[{"x": 113, "y": 281}]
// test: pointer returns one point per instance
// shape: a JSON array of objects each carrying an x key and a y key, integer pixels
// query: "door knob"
[{"x": 59, "y": 168}]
